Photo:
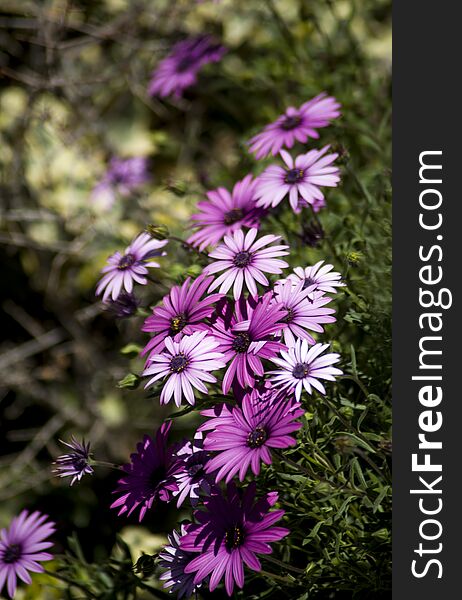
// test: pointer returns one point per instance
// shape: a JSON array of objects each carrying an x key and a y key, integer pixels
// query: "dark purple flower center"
[
  {"x": 12, "y": 553},
  {"x": 257, "y": 437},
  {"x": 234, "y": 537},
  {"x": 233, "y": 216},
  {"x": 308, "y": 281},
  {"x": 156, "y": 476},
  {"x": 195, "y": 470},
  {"x": 126, "y": 261},
  {"x": 177, "y": 323},
  {"x": 179, "y": 363},
  {"x": 241, "y": 342},
  {"x": 291, "y": 122},
  {"x": 185, "y": 63},
  {"x": 300, "y": 371},
  {"x": 242, "y": 259},
  {"x": 294, "y": 176},
  {"x": 290, "y": 316}
]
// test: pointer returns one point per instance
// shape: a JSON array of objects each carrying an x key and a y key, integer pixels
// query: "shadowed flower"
[
  {"x": 125, "y": 306},
  {"x": 191, "y": 477},
  {"x": 149, "y": 475},
  {"x": 245, "y": 332},
  {"x": 296, "y": 125},
  {"x": 182, "y": 312},
  {"x": 123, "y": 176},
  {"x": 302, "y": 367},
  {"x": 124, "y": 269},
  {"x": 304, "y": 309},
  {"x": 186, "y": 365},
  {"x": 174, "y": 559},
  {"x": 300, "y": 180},
  {"x": 22, "y": 548},
  {"x": 231, "y": 531},
  {"x": 179, "y": 69},
  {"x": 223, "y": 213},
  {"x": 245, "y": 439},
  {"x": 318, "y": 278},
  {"x": 245, "y": 260},
  {"x": 75, "y": 464}
]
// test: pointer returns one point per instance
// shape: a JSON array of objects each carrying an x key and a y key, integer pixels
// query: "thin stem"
[
  {"x": 71, "y": 582},
  {"x": 103, "y": 463},
  {"x": 174, "y": 238},
  {"x": 277, "y": 577},
  {"x": 284, "y": 565}
]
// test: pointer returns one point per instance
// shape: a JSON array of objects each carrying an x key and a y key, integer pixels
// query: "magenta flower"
[
  {"x": 245, "y": 260},
  {"x": 245, "y": 332},
  {"x": 149, "y": 475},
  {"x": 124, "y": 269},
  {"x": 304, "y": 309},
  {"x": 179, "y": 69},
  {"x": 245, "y": 439},
  {"x": 231, "y": 531},
  {"x": 296, "y": 125},
  {"x": 124, "y": 175},
  {"x": 74, "y": 464},
  {"x": 318, "y": 278},
  {"x": 182, "y": 312},
  {"x": 22, "y": 548},
  {"x": 174, "y": 560},
  {"x": 186, "y": 365},
  {"x": 300, "y": 179},
  {"x": 302, "y": 367},
  {"x": 191, "y": 477},
  {"x": 224, "y": 213}
]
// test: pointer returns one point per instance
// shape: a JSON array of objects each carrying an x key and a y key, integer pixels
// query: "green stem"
[
  {"x": 70, "y": 582},
  {"x": 284, "y": 565},
  {"x": 174, "y": 238}
]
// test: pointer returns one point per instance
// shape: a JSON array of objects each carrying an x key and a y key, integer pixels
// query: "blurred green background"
[{"x": 73, "y": 80}]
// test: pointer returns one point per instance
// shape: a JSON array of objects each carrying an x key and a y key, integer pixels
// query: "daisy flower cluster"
[{"x": 242, "y": 339}]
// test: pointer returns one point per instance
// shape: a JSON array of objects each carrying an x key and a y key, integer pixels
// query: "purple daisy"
[
  {"x": 295, "y": 125},
  {"x": 123, "y": 176},
  {"x": 245, "y": 331},
  {"x": 186, "y": 364},
  {"x": 182, "y": 311},
  {"x": 179, "y": 69},
  {"x": 245, "y": 439},
  {"x": 191, "y": 477},
  {"x": 304, "y": 309},
  {"x": 174, "y": 559},
  {"x": 75, "y": 464},
  {"x": 302, "y": 367},
  {"x": 123, "y": 270},
  {"x": 245, "y": 260},
  {"x": 22, "y": 548},
  {"x": 318, "y": 278},
  {"x": 300, "y": 179},
  {"x": 149, "y": 475},
  {"x": 231, "y": 531},
  {"x": 225, "y": 212}
]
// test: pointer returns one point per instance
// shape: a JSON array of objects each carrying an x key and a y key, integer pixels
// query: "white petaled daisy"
[
  {"x": 131, "y": 266},
  {"x": 302, "y": 367},
  {"x": 186, "y": 364},
  {"x": 245, "y": 259},
  {"x": 174, "y": 560},
  {"x": 318, "y": 278},
  {"x": 304, "y": 310},
  {"x": 300, "y": 179}
]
